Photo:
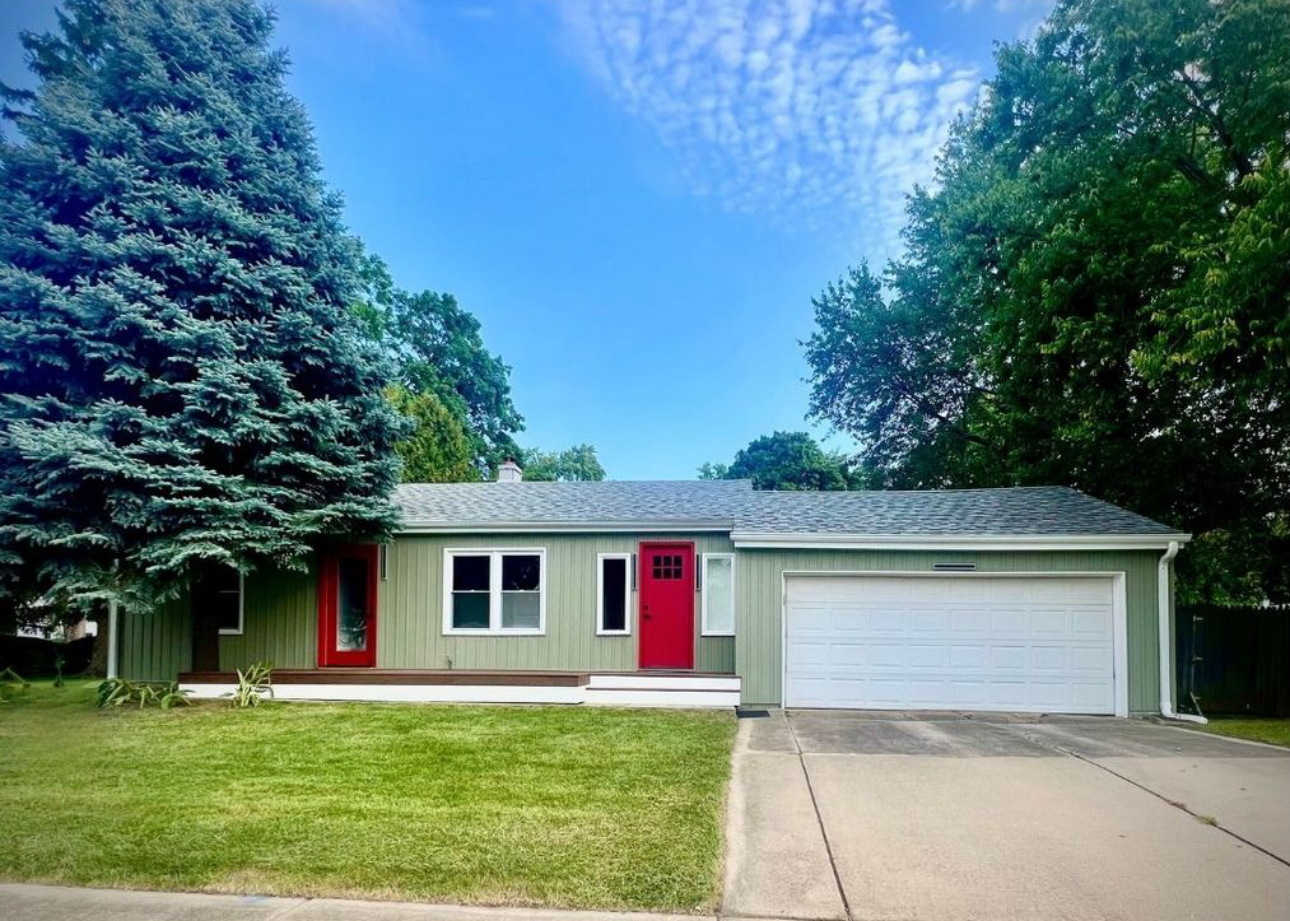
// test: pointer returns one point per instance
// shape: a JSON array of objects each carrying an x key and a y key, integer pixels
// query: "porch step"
[
  {"x": 667, "y": 682},
  {"x": 626, "y": 689},
  {"x": 665, "y": 697}
]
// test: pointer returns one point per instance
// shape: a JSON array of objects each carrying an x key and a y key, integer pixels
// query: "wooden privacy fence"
[{"x": 1234, "y": 660}]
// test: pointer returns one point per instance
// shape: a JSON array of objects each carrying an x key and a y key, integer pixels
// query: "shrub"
[{"x": 118, "y": 692}]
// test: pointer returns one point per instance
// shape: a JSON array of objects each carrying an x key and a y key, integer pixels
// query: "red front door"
[
  {"x": 667, "y": 605},
  {"x": 347, "y": 606}
]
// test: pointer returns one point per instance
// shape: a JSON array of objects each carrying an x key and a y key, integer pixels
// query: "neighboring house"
[{"x": 708, "y": 593}]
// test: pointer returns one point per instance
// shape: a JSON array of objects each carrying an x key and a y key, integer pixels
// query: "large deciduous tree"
[
  {"x": 576, "y": 464},
  {"x": 437, "y": 349},
  {"x": 182, "y": 382},
  {"x": 785, "y": 460},
  {"x": 1097, "y": 292}
]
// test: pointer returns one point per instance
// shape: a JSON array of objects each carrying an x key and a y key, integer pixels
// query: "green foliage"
[
  {"x": 11, "y": 685},
  {"x": 252, "y": 685},
  {"x": 438, "y": 350},
  {"x": 1097, "y": 292},
  {"x": 437, "y": 449},
  {"x": 784, "y": 460},
  {"x": 575, "y": 464},
  {"x": 183, "y": 377},
  {"x": 119, "y": 692}
]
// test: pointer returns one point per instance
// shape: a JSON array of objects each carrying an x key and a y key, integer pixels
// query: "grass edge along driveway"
[
  {"x": 543, "y": 806},
  {"x": 1270, "y": 730}
]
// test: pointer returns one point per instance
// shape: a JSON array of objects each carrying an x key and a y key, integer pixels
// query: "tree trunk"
[{"x": 205, "y": 628}]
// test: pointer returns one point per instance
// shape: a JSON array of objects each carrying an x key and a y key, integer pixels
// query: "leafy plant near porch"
[
  {"x": 253, "y": 685},
  {"x": 118, "y": 692}
]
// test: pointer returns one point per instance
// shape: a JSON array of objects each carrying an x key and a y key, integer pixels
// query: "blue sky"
[{"x": 637, "y": 199}]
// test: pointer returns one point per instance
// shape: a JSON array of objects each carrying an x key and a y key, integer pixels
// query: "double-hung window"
[
  {"x": 718, "y": 594},
  {"x": 613, "y": 594},
  {"x": 494, "y": 592}
]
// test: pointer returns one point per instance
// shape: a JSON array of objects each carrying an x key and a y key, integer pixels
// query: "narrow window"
[
  {"x": 613, "y": 594},
  {"x": 223, "y": 586},
  {"x": 718, "y": 594},
  {"x": 471, "y": 580}
]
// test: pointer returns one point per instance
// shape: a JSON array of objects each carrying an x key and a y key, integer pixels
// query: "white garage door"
[{"x": 951, "y": 643}]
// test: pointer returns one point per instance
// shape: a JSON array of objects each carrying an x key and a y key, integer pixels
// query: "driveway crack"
[
  {"x": 828, "y": 845},
  {"x": 1208, "y": 820}
]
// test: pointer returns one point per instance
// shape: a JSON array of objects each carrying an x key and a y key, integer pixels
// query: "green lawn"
[
  {"x": 556, "y": 806},
  {"x": 1271, "y": 730}
]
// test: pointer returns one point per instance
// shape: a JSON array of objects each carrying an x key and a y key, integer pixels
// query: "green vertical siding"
[
  {"x": 410, "y": 632},
  {"x": 281, "y": 611},
  {"x": 158, "y": 645},
  {"x": 281, "y": 615},
  {"x": 280, "y": 624},
  {"x": 759, "y": 591}
]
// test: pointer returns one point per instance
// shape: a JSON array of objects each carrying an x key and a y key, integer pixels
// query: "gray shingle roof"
[
  {"x": 715, "y": 503},
  {"x": 1044, "y": 510},
  {"x": 732, "y": 504}
]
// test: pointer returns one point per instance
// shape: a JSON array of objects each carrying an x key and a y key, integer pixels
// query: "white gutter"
[
  {"x": 112, "y": 640},
  {"x": 750, "y": 540},
  {"x": 1163, "y": 609}
]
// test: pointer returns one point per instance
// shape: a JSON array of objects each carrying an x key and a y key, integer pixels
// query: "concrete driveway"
[{"x": 941, "y": 817}]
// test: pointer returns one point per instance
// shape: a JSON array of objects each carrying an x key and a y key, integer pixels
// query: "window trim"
[
  {"x": 241, "y": 609},
  {"x": 704, "y": 629},
  {"x": 600, "y": 594},
  {"x": 494, "y": 627}
]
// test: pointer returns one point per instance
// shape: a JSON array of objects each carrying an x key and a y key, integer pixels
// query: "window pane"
[
  {"x": 470, "y": 610},
  {"x": 470, "y": 573},
  {"x": 613, "y": 587},
  {"x": 520, "y": 573},
  {"x": 521, "y": 611},
  {"x": 351, "y": 620},
  {"x": 227, "y": 610},
  {"x": 720, "y": 600}
]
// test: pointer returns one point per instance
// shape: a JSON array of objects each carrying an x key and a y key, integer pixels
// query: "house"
[{"x": 710, "y": 593}]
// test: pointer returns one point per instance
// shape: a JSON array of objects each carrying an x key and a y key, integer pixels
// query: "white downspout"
[
  {"x": 112, "y": 640},
  {"x": 1166, "y": 648}
]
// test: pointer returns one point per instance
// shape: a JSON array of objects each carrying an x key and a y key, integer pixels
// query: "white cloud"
[{"x": 816, "y": 113}]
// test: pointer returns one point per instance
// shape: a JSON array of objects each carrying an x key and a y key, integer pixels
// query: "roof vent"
[
  {"x": 954, "y": 567},
  {"x": 509, "y": 472}
]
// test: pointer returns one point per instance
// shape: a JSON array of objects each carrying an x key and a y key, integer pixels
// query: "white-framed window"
[
  {"x": 487, "y": 592},
  {"x": 229, "y": 588},
  {"x": 718, "y": 594},
  {"x": 613, "y": 594}
]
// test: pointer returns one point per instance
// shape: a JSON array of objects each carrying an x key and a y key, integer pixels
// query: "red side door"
[
  {"x": 667, "y": 605},
  {"x": 347, "y": 606}
]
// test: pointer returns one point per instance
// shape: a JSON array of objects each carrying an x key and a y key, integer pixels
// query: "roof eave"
[
  {"x": 412, "y": 526},
  {"x": 762, "y": 540}
]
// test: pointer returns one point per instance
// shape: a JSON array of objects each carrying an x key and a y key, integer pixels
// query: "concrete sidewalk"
[{"x": 60, "y": 903}]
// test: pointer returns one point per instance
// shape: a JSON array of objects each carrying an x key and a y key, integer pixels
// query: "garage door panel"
[{"x": 951, "y": 643}]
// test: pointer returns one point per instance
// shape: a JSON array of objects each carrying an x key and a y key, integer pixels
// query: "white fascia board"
[
  {"x": 747, "y": 540},
  {"x": 559, "y": 527}
]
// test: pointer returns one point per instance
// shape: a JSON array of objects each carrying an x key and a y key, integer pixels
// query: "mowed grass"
[
  {"x": 552, "y": 806},
  {"x": 1271, "y": 730}
]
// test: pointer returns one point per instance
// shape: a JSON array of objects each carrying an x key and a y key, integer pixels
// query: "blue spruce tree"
[{"x": 182, "y": 383}]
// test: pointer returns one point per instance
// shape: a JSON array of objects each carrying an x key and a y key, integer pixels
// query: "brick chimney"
[{"x": 509, "y": 472}]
